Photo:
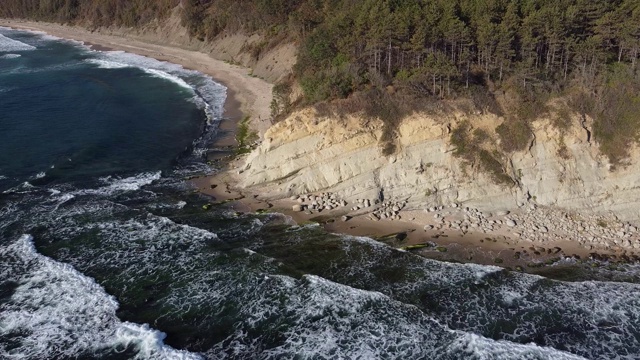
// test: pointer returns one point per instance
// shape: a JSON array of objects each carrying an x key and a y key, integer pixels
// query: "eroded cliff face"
[{"x": 311, "y": 153}]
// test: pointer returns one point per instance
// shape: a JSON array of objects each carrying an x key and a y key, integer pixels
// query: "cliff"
[{"x": 310, "y": 153}]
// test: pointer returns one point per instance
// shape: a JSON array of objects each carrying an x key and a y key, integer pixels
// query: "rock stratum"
[{"x": 308, "y": 152}]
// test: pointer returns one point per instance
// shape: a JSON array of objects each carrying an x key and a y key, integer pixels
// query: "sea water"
[{"x": 106, "y": 252}]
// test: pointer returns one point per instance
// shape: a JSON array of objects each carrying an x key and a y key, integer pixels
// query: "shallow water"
[{"x": 105, "y": 252}]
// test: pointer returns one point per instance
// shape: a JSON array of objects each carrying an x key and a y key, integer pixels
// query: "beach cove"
[
  {"x": 254, "y": 282},
  {"x": 250, "y": 96}
]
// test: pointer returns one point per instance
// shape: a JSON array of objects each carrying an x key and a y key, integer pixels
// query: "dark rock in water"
[
  {"x": 441, "y": 249},
  {"x": 556, "y": 250},
  {"x": 213, "y": 186},
  {"x": 498, "y": 261}
]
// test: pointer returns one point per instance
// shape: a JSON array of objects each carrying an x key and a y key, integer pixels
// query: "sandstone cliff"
[{"x": 310, "y": 153}]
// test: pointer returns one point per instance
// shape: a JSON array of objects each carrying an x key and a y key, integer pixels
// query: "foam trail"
[
  {"x": 105, "y": 64},
  {"x": 121, "y": 185},
  {"x": 169, "y": 77},
  {"x": 60, "y": 313},
  {"x": 10, "y": 56},
  {"x": 10, "y": 45},
  {"x": 473, "y": 346}
]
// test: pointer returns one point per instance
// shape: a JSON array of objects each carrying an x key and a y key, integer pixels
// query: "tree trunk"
[
  {"x": 375, "y": 60},
  {"x": 389, "y": 63},
  {"x": 467, "y": 81},
  {"x": 434, "y": 85},
  {"x": 620, "y": 53}
]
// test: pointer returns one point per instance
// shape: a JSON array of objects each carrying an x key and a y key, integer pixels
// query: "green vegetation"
[
  {"x": 470, "y": 147},
  {"x": 93, "y": 13},
  {"x": 400, "y": 54},
  {"x": 244, "y": 136},
  {"x": 280, "y": 103}
]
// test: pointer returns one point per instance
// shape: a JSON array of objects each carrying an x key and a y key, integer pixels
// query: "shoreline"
[
  {"x": 246, "y": 95},
  {"x": 413, "y": 230},
  {"x": 456, "y": 243}
]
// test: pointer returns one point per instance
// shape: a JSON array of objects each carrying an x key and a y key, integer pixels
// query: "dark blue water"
[
  {"x": 64, "y": 116},
  {"x": 106, "y": 252}
]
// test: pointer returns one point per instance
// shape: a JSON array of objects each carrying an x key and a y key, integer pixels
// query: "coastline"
[
  {"x": 500, "y": 247},
  {"x": 250, "y": 96},
  {"x": 246, "y": 95}
]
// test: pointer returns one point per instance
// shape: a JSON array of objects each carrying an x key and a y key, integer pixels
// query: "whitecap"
[
  {"x": 473, "y": 346},
  {"x": 105, "y": 64},
  {"x": 166, "y": 76},
  {"x": 10, "y": 56},
  {"x": 123, "y": 184},
  {"x": 61, "y": 313},
  {"x": 10, "y": 45},
  {"x": 24, "y": 187}
]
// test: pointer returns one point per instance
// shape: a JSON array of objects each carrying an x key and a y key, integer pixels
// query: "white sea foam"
[
  {"x": 106, "y": 64},
  {"x": 166, "y": 76},
  {"x": 40, "y": 175},
  {"x": 10, "y": 56},
  {"x": 60, "y": 313},
  {"x": 116, "y": 185},
  {"x": 472, "y": 346},
  {"x": 25, "y": 187},
  {"x": 2, "y": 177},
  {"x": 11, "y": 45}
]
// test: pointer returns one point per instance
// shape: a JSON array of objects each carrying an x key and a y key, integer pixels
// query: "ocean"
[{"x": 106, "y": 251}]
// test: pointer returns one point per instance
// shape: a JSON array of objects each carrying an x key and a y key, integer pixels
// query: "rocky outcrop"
[{"x": 310, "y": 153}]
